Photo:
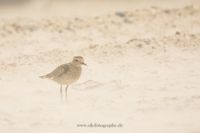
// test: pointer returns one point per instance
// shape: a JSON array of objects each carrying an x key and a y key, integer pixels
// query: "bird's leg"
[
  {"x": 66, "y": 91},
  {"x": 61, "y": 95}
]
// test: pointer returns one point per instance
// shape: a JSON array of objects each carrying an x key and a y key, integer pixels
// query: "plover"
[{"x": 66, "y": 74}]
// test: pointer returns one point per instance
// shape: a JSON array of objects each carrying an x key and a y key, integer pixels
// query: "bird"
[{"x": 66, "y": 74}]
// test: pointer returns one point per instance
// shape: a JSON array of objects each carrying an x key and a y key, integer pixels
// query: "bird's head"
[{"x": 78, "y": 60}]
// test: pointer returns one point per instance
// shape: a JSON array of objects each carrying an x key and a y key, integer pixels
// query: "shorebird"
[{"x": 66, "y": 74}]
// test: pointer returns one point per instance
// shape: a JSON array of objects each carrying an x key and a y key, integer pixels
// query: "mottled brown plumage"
[{"x": 67, "y": 74}]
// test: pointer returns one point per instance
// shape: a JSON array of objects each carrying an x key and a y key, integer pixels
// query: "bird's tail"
[{"x": 44, "y": 76}]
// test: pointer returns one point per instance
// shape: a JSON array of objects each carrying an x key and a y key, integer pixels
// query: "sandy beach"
[{"x": 143, "y": 67}]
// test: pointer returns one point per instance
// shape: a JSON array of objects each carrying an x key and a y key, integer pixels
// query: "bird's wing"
[{"x": 58, "y": 71}]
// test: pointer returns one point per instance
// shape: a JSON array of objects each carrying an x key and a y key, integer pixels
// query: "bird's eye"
[{"x": 76, "y": 60}]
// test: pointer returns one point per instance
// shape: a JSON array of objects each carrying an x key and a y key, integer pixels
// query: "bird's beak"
[{"x": 84, "y": 63}]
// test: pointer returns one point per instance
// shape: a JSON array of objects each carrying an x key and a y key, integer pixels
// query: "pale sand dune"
[{"x": 143, "y": 71}]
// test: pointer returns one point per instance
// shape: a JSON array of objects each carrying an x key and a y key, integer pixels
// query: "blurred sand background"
[{"x": 143, "y": 61}]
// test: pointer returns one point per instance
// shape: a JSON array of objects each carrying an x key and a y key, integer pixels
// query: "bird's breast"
[{"x": 72, "y": 75}]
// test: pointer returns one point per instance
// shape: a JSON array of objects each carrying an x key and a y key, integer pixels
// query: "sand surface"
[{"x": 143, "y": 68}]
